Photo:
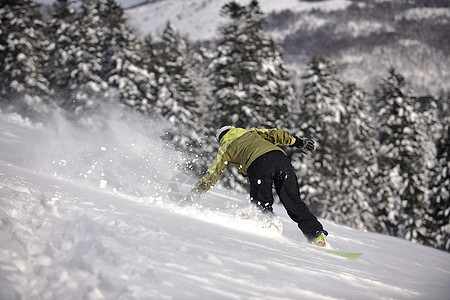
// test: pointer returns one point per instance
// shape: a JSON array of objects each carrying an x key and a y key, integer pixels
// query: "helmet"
[{"x": 221, "y": 132}]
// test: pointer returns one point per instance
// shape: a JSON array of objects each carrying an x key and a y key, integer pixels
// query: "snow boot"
[{"x": 319, "y": 240}]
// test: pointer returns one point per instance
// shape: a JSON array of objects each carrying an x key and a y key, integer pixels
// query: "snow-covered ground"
[{"x": 84, "y": 214}]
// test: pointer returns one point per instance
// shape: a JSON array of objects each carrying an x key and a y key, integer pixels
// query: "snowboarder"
[{"x": 255, "y": 154}]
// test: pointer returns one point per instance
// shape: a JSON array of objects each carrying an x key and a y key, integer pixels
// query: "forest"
[{"x": 382, "y": 157}]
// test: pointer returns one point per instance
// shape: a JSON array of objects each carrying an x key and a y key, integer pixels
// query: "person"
[{"x": 255, "y": 153}]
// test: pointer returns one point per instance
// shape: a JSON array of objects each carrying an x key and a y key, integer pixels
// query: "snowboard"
[{"x": 349, "y": 255}]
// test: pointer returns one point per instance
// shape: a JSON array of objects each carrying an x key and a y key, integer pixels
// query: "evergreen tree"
[
  {"x": 101, "y": 52},
  {"x": 251, "y": 85},
  {"x": 22, "y": 53},
  {"x": 337, "y": 177},
  {"x": 86, "y": 83},
  {"x": 440, "y": 189},
  {"x": 178, "y": 97},
  {"x": 61, "y": 49},
  {"x": 404, "y": 154},
  {"x": 198, "y": 72},
  {"x": 151, "y": 62},
  {"x": 321, "y": 111},
  {"x": 123, "y": 60},
  {"x": 225, "y": 70},
  {"x": 355, "y": 160}
]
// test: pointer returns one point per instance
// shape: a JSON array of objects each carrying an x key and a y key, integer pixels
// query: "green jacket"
[{"x": 240, "y": 148}]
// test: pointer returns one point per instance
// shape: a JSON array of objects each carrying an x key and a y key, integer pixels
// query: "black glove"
[{"x": 305, "y": 145}]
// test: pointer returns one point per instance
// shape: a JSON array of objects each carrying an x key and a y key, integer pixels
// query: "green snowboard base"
[{"x": 348, "y": 255}]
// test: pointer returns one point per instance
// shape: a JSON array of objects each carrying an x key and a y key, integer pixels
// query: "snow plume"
[{"x": 112, "y": 147}]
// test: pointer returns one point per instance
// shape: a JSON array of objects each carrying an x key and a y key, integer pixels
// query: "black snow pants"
[{"x": 275, "y": 168}]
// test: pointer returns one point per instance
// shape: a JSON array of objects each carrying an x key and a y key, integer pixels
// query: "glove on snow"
[{"x": 305, "y": 145}]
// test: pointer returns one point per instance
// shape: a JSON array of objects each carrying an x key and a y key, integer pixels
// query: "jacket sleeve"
[
  {"x": 215, "y": 170},
  {"x": 277, "y": 136}
]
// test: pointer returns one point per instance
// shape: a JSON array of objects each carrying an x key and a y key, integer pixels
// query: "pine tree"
[
  {"x": 124, "y": 60},
  {"x": 151, "y": 63},
  {"x": 86, "y": 84},
  {"x": 225, "y": 69},
  {"x": 178, "y": 97},
  {"x": 355, "y": 160},
  {"x": 440, "y": 189},
  {"x": 22, "y": 54},
  {"x": 177, "y": 94},
  {"x": 321, "y": 111},
  {"x": 61, "y": 49},
  {"x": 251, "y": 85},
  {"x": 404, "y": 154},
  {"x": 198, "y": 73}
]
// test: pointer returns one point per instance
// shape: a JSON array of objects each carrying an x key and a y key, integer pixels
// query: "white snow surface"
[
  {"x": 84, "y": 214},
  {"x": 426, "y": 13},
  {"x": 199, "y": 20}
]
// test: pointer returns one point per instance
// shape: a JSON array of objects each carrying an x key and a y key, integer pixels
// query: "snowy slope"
[
  {"x": 365, "y": 38},
  {"x": 200, "y": 19},
  {"x": 84, "y": 214}
]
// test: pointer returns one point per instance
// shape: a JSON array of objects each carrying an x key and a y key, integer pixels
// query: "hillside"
[
  {"x": 85, "y": 215},
  {"x": 365, "y": 37}
]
